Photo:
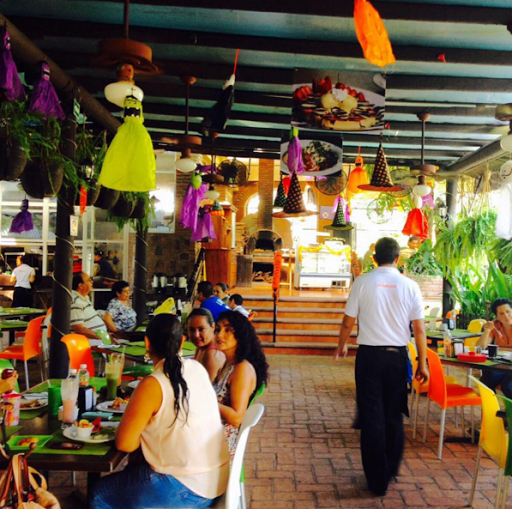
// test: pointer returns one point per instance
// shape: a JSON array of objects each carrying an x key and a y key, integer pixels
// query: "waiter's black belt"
[{"x": 387, "y": 348}]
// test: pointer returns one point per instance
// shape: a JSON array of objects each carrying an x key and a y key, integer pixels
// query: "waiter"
[{"x": 384, "y": 303}]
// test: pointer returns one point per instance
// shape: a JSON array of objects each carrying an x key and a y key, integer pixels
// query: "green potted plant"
[
  {"x": 16, "y": 131},
  {"x": 423, "y": 262}
]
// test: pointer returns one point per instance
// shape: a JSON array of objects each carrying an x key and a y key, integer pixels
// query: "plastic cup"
[
  {"x": 118, "y": 359},
  {"x": 69, "y": 394},
  {"x": 54, "y": 400},
  {"x": 493, "y": 351},
  {"x": 12, "y": 404},
  {"x": 113, "y": 378}
]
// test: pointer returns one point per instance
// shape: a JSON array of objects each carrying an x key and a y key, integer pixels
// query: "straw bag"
[{"x": 20, "y": 490}]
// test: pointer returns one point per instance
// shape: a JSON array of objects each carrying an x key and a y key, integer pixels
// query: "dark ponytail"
[{"x": 164, "y": 333}]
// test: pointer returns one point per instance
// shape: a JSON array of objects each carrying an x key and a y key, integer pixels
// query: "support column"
[
  {"x": 451, "y": 204},
  {"x": 63, "y": 262},
  {"x": 265, "y": 191},
  {"x": 140, "y": 274}
]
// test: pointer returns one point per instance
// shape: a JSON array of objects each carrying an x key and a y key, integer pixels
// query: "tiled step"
[
  {"x": 250, "y": 302},
  {"x": 316, "y": 315},
  {"x": 301, "y": 336},
  {"x": 298, "y": 323},
  {"x": 303, "y": 348}
]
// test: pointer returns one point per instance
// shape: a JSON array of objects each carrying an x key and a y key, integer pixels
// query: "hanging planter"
[
  {"x": 13, "y": 160},
  {"x": 124, "y": 205},
  {"x": 93, "y": 192},
  {"x": 41, "y": 180},
  {"x": 107, "y": 198},
  {"x": 139, "y": 211}
]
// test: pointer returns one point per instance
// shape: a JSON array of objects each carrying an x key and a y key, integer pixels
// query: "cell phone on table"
[{"x": 67, "y": 446}]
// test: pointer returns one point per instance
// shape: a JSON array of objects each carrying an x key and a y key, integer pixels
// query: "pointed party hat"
[
  {"x": 280, "y": 196},
  {"x": 294, "y": 205},
  {"x": 381, "y": 178},
  {"x": 339, "y": 219}
]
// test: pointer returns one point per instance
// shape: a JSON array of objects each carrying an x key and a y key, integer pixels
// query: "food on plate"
[
  {"x": 28, "y": 441},
  {"x": 35, "y": 403},
  {"x": 317, "y": 156},
  {"x": 339, "y": 108},
  {"x": 119, "y": 403},
  {"x": 83, "y": 423},
  {"x": 106, "y": 433}
]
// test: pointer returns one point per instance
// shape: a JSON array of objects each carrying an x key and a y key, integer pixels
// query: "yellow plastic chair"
[
  {"x": 476, "y": 325},
  {"x": 493, "y": 440},
  {"x": 418, "y": 387}
]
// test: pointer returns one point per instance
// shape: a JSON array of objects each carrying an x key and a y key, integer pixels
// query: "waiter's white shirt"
[
  {"x": 22, "y": 274},
  {"x": 384, "y": 303}
]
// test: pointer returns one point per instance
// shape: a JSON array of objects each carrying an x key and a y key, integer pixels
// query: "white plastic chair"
[{"x": 233, "y": 496}]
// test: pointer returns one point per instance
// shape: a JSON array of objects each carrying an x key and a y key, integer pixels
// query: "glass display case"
[{"x": 323, "y": 266}]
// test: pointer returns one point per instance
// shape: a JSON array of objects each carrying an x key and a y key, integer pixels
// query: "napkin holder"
[{"x": 85, "y": 399}]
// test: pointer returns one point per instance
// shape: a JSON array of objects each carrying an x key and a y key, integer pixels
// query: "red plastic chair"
[
  {"x": 447, "y": 396},
  {"x": 79, "y": 352},
  {"x": 30, "y": 348}
]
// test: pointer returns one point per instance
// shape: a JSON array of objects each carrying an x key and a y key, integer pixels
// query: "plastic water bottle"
[
  {"x": 83, "y": 376},
  {"x": 448, "y": 347},
  {"x": 73, "y": 374}
]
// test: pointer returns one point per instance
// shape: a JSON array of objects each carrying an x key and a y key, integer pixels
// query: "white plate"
[
  {"x": 70, "y": 433},
  {"x": 41, "y": 404},
  {"x": 106, "y": 407},
  {"x": 134, "y": 384}
]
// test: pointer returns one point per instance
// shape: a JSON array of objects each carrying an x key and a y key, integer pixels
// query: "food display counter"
[{"x": 323, "y": 266}]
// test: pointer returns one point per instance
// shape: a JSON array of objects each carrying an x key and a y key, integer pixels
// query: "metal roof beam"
[{"x": 425, "y": 11}]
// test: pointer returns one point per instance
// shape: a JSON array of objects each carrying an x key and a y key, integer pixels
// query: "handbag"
[{"x": 19, "y": 488}]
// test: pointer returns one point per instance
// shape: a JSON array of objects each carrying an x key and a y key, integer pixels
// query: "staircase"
[{"x": 305, "y": 325}]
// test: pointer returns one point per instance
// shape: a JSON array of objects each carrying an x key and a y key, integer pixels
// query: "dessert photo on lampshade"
[{"x": 338, "y": 101}]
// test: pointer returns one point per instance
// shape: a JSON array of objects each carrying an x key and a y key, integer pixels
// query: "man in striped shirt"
[{"x": 84, "y": 318}]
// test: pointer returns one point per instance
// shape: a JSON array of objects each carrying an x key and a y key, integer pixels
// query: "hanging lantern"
[
  {"x": 416, "y": 224},
  {"x": 22, "y": 221}
]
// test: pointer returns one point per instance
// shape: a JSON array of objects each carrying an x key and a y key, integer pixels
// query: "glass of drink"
[
  {"x": 118, "y": 359},
  {"x": 113, "y": 378},
  {"x": 69, "y": 394}
]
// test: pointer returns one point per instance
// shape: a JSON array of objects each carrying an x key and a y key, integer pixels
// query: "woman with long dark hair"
[
  {"x": 173, "y": 416},
  {"x": 244, "y": 372},
  {"x": 201, "y": 331}
]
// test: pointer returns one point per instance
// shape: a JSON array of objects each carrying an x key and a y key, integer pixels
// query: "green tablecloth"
[
  {"x": 21, "y": 311},
  {"x": 96, "y": 382},
  {"x": 86, "y": 450},
  {"x": 486, "y": 363},
  {"x": 12, "y": 324},
  {"x": 10, "y": 430},
  {"x": 26, "y": 415}
]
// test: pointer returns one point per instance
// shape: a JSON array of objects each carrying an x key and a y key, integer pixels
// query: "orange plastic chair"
[
  {"x": 79, "y": 351},
  {"x": 418, "y": 387},
  {"x": 447, "y": 396},
  {"x": 30, "y": 348},
  {"x": 493, "y": 438}
]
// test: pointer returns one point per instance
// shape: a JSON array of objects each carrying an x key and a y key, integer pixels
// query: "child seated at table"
[{"x": 173, "y": 416}]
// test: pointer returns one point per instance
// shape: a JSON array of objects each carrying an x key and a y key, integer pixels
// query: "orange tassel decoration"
[
  {"x": 372, "y": 34},
  {"x": 357, "y": 177},
  {"x": 416, "y": 224},
  {"x": 83, "y": 199}
]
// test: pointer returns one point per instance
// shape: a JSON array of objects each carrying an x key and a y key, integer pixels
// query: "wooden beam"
[
  {"x": 40, "y": 28},
  {"x": 425, "y": 11}
]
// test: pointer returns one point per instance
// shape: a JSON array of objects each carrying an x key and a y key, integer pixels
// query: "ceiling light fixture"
[
  {"x": 421, "y": 188},
  {"x": 118, "y": 91},
  {"x": 503, "y": 113},
  {"x": 212, "y": 194}
]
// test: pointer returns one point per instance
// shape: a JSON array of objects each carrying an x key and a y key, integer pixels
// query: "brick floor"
[{"x": 304, "y": 453}]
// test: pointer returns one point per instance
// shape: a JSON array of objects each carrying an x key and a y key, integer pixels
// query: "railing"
[{"x": 196, "y": 276}]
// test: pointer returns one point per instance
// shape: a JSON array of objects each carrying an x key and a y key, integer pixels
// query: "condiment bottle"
[{"x": 83, "y": 376}]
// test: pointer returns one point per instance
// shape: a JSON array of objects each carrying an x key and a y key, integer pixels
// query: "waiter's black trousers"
[
  {"x": 22, "y": 298},
  {"x": 381, "y": 385}
]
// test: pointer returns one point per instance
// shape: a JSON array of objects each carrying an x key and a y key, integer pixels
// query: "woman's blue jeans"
[{"x": 140, "y": 487}]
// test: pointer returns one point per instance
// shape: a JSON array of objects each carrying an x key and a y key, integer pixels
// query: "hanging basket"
[
  {"x": 124, "y": 206},
  {"x": 139, "y": 212},
  {"x": 93, "y": 193},
  {"x": 41, "y": 180},
  {"x": 13, "y": 160},
  {"x": 107, "y": 198}
]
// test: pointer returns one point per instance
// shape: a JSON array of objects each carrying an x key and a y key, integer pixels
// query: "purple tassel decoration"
[
  {"x": 190, "y": 206},
  {"x": 44, "y": 98},
  {"x": 22, "y": 221},
  {"x": 10, "y": 82},
  {"x": 295, "y": 163},
  {"x": 204, "y": 227}
]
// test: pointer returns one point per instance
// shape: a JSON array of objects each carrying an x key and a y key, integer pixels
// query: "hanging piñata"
[
  {"x": 130, "y": 163},
  {"x": 10, "y": 83},
  {"x": 416, "y": 224},
  {"x": 357, "y": 177},
  {"x": 504, "y": 219},
  {"x": 204, "y": 231},
  {"x": 372, "y": 34},
  {"x": 295, "y": 162},
  {"x": 22, "y": 221},
  {"x": 192, "y": 201},
  {"x": 44, "y": 99}
]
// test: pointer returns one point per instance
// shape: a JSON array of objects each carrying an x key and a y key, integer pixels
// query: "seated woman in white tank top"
[{"x": 173, "y": 415}]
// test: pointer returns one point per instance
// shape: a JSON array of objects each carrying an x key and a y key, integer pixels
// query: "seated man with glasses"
[{"x": 84, "y": 318}]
